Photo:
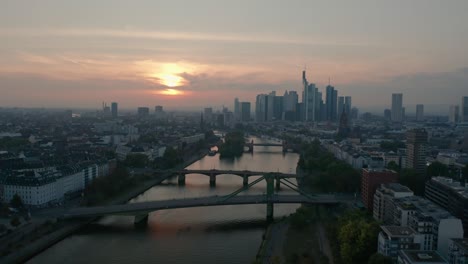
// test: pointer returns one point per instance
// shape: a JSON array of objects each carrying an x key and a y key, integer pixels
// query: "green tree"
[
  {"x": 357, "y": 236},
  {"x": 413, "y": 180},
  {"x": 16, "y": 202},
  {"x": 392, "y": 165},
  {"x": 15, "y": 221},
  {"x": 136, "y": 160},
  {"x": 437, "y": 169},
  {"x": 379, "y": 259},
  {"x": 233, "y": 145}
]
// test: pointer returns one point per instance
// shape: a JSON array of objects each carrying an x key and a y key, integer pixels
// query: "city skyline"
[{"x": 149, "y": 54}]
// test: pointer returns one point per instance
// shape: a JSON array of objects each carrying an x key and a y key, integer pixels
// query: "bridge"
[
  {"x": 245, "y": 174},
  {"x": 285, "y": 145},
  {"x": 142, "y": 209}
]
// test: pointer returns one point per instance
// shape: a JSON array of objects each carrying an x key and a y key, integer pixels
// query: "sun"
[
  {"x": 170, "y": 92},
  {"x": 171, "y": 80}
]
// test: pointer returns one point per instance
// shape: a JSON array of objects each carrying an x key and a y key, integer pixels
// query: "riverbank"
[{"x": 32, "y": 248}]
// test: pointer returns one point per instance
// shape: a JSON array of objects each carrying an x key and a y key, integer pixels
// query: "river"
[{"x": 221, "y": 234}]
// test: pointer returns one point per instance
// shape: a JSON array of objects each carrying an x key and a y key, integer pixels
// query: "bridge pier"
[
  {"x": 269, "y": 178},
  {"x": 212, "y": 180},
  {"x": 141, "y": 221},
  {"x": 245, "y": 181},
  {"x": 270, "y": 207},
  {"x": 181, "y": 179}
]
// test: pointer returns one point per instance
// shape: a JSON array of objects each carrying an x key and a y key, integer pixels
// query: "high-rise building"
[
  {"x": 290, "y": 101},
  {"x": 347, "y": 105},
  {"x": 464, "y": 109},
  {"x": 158, "y": 109},
  {"x": 114, "y": 109},
  {"x": 208, "y": 115},
  {"x": 245, "y": 111},
  {"x": 416, "y": 148},
  {"x": 454, "y": 114},
  {"x": 311, "y": 107},
  {"x": 278, "y": 108},
  {"x": 419, "y": 112},
  {"x": 341, "y": 104},
  {"x": 331, "y": 103},
  {"x": 261, "y": 106},
  {"x": 371, "y": 180},
  {"x": 309, "y": 99},
  {"x": 397, "y": 105},
  {"x": 318, "y": 106},
  {"x": 143, "y": 111},
  {"x": 270, "y": 106},
  {"x": 387, "y": 114},
  {"x": 237, "y": 110}
]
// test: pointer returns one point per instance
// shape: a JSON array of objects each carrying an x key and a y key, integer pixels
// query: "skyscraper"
[
  {"x": 454, "y": 113},
  {"x": 397, "y": 105},
  {"x": 114, "y": 109},
  {"x": 305, "y": 84},
  {"x": 208, "y": 115},
  {"x": 387, "y": 114},
  {"x": 310, "y": 106},
  {"x": 237, "y": 114},
  {"x": 464, "y": 109},
  {"x": 261, "y": 105},
  {"x": 245, "y": 111},
  {"x": 341, "y": 104},
  {"x": 143, "y": 111},
  {"x": 419, "y": 112},
  {"x": 290, "y": 101},
  {"x": 347, "y": 105},
  {"x": 331, "y": 103},
  {"x": 416, "y": 148}
]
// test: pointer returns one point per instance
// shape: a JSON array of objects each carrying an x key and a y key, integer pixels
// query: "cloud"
[{"x": 181, "y": 36}]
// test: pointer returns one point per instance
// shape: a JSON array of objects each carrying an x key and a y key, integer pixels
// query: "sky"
[{"x": 186, "y": 55}]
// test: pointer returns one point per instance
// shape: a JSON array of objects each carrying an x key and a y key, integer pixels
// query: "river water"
[{"x": 220, "y": 234}]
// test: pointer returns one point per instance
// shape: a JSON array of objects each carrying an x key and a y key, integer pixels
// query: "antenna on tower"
[{"x": 328, "y": 80}]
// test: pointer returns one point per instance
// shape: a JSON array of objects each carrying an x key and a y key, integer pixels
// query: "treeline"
[
  {"x": 233, "y": 145},
  {"x": 324, "y": 173},
  {"x": 105, "y": 187},
  {"x": 353, "y": 239}
]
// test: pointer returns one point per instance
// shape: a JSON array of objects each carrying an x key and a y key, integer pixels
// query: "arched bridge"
[
  {"x": 142, "y": 209},
  {"x": 245, "y": 174},
  {"x": 285, "y": 146}
]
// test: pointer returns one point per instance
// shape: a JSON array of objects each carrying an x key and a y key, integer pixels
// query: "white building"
[
  {"x": 384, "y": 207},
  {"x": 394, "y": 238},
  {"x": 41, "y": 188},
  {"x": 436, "y": 225}
]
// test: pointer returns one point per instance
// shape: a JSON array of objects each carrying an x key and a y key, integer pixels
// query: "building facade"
[
  {"x": 416, "y": 149},
  {"x": 384, "y": 207},
  {"x": 397, "y": 107},
  {"x": 450, "y": 195},
  {"x": 371, "y": 180}
]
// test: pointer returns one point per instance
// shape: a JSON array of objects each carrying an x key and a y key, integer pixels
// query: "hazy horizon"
[{"x": 190, "y": 55}]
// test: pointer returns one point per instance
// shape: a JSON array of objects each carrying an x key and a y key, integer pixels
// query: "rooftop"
[
  {"x": 398, "y": 231},
  {"x": 452, "y": 184},
  {"x": 419, "y": 256},
  {"x": 396, "y": 187},
  {"x": 424, "y": 207}
]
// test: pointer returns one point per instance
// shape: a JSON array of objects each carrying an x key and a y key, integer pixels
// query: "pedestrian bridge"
[
  {"x": 141, "y": 209},
  {"x": 245, "y": 174}
]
